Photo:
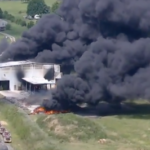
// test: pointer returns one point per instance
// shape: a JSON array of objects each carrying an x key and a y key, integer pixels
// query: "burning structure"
[
  {"x": 105, "y": 43},
  {"x": 28, "y": 75}
]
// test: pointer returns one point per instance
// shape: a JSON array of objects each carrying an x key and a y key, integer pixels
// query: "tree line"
[
  {"x": 7, "y": 16},
  {"x": 39, "y": 7}
]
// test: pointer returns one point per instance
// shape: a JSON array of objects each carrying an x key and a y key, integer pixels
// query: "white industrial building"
[{"x": 32, "y": 79}]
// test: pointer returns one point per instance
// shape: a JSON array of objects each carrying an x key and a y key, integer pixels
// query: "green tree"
[
  {"x": 1, "y": 13},
  {"x": 37, "y": 7},
  {"x": 30, "y": 24},
  {"x": 55, "y": 6}
]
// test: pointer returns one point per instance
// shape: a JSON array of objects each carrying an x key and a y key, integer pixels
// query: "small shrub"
[
  {"x": 20, "y": 12},
  {"x": 8, "y": 26},
  {"x": 23, "y": 23},
  {"x": 30, "y": 24}
]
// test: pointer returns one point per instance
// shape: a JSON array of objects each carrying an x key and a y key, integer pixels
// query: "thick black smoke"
[
  {"x": 20, "y": 74},
  {"x": 105, "y": 43},
  {"x": 50, "y": 74}
]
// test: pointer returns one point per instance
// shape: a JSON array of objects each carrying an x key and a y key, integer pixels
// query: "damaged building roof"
[
  {"x": 39, "y": 80},
  {"x": 16, "y": 63}
]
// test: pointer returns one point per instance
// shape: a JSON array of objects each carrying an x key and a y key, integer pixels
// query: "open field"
[
  {"x": 17, "y": 8},
  {"x": 123, "y": 132},
  {"x": 130, "y": 131},
  {"x": 16, "y": 30}
]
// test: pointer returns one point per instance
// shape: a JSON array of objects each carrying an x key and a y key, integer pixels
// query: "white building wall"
[
  {"x": 30, "y": 71},
  {"x": 9, "y": 73}
]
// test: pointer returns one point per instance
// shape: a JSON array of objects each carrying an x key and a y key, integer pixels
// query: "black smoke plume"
[
  {"x": 106, "y": 45},
  {"x": 50, "y": 74},
  {"x": 20, "y": 74}
]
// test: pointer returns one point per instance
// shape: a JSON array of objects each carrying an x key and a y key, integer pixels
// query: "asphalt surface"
[{"x": 7, "y": 144}]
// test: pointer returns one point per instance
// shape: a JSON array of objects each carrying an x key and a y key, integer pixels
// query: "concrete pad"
[{"x": 15, "y": 94}]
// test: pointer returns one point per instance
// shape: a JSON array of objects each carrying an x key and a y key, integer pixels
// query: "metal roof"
[
  {"x": 39, "y": 80},
  {"x": 15, "y": 63}
]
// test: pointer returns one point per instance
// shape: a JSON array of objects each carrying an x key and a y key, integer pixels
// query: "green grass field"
[
  {"x": 16, "y": 30},
  {"x": 17, "y": 8},
  {"x": 123, "y": 132},
  {"x": 25, "y": 133},
  {"x": 69, "y": 131}
]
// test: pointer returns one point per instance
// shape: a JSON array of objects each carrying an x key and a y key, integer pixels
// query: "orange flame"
[{"x": 50, "y": 112}]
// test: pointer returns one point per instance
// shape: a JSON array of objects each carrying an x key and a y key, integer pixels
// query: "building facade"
[
  {"x": 3, "y": 24},
  {"x": 27, "y": 75}
]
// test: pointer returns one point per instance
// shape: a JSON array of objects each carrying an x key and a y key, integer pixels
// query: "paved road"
[
  {"x": 7, "y": 144},
  {"x": 12, "y": 38}
]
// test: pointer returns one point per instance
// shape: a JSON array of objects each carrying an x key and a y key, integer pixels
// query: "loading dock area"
[
  {"x": 28, "y": 76},
  {"x": 4, "y": 85},
  {"x": 36, "y": 84}
]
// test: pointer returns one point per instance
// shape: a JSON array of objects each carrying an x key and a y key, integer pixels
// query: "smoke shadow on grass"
[
  {"x": 139, "y": 111},
  {"x": 126, "y": 110}
]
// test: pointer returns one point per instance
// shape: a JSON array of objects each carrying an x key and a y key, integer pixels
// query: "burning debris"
[
  {"x": 104, "y": 43},
  {"x": 40, "y": 109}
]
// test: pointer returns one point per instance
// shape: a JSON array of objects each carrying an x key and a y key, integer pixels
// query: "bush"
[
  {"x": 8, "y": 16},
  {"x": 1, "y": 13},
  {"x": 18, "y": 21},
  {"x": 30, "y": 24},
  {"x": 23, "y": 23},
  {"x": 8, "y": 26},
  {"x": 20, "y": 12}
]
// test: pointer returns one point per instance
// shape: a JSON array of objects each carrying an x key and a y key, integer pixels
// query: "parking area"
[{"x": 15, "y": 94}]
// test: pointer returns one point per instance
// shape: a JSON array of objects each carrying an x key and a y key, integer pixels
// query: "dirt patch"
[
  {"x": 58, "y": 129},
  {"x": 4, "y": 123},
  {"x": 54, "y": 125}
]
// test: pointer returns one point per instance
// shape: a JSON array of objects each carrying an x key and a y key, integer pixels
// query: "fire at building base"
[
  {"x": 21, "y": 79},
  {"x": 40, "y": 110}
]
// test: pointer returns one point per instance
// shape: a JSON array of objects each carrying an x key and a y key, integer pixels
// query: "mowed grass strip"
[{"x": 25, "y": 133}]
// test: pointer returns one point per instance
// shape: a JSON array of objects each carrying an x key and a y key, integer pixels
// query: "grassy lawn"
[
  {"x": 25, "y": 133},
  {"x": 123, "y": 132},
  {"x": 17, "y": 8},
  {"x": 130, "y": 131},
  {"x": 16, "y": 30}
]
